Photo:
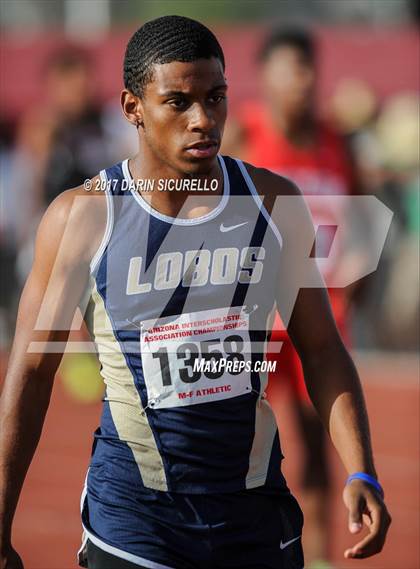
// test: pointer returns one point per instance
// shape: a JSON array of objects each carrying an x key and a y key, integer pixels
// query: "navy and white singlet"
[{"x": 168, "y": 295}]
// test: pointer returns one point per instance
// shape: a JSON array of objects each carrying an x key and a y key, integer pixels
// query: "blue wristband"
[{"x": 368, "y": 479}]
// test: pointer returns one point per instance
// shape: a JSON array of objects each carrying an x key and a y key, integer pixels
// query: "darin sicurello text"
[{"x": 173, "y": 185}]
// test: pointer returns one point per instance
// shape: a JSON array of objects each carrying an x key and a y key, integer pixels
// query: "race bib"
[{"x": 185, "y": 358}]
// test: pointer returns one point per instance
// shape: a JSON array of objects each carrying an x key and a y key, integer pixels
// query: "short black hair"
[
  {"x": 163, "y": 40},
  {"x": 297, "y": 38}
]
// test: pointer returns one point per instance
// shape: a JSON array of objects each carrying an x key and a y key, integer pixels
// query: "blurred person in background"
[
  {"x": 61, "y": 143},
  {"x": 397, "y": 131},
  {"x": 284, "y": 134},
  {"x": 385, "y": 147},
  {"x": 65, "y": 135},
  {"x": 353, "y": 110}
]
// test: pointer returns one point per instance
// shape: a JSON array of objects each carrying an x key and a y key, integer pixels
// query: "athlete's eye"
[
  {"x": 178, "y": 104},
  {"x": 217, "y": 98}
]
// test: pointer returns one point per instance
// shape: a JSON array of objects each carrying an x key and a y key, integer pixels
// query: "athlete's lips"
[{"x": 203, "y": 148}]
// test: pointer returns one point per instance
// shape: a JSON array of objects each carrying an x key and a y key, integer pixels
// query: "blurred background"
[{"x": 60, "y": 122}]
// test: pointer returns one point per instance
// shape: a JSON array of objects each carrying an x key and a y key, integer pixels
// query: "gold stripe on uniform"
[
  {"x": 125, "y": 404},
  {"x": 265, "y": 432},
  {"x": 265, "y": 429}
]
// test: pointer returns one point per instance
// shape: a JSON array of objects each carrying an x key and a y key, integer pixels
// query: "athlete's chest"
[{"x": 153, "y": 267}]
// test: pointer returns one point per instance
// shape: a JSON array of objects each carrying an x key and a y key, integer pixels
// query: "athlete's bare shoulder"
[
  {"x": 271, "y": 184},
  {"x": 284, "y": 202},
  {"x": 74, "y": 224}
]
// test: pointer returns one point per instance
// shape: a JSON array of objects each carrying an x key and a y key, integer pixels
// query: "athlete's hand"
[
  {"x": 10, "y": 559},
  {"x": 365, "y": 505}
]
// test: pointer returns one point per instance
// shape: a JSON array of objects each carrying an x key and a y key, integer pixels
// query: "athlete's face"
[
  {"x": 183, "y": 112},
  {"x": 289, "y": 81}
]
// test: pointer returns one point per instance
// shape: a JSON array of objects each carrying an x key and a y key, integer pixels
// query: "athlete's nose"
[{"x": 201, "y": 119}]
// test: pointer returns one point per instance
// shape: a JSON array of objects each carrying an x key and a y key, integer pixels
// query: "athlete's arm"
[
  {"x": 330, "y": 375},
  {"x": 51, "y": 295}
]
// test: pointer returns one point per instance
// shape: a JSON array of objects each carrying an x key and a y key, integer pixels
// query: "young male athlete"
[
  {"x": 284, "y": 134},
  {"x": 185, "y": 469}
]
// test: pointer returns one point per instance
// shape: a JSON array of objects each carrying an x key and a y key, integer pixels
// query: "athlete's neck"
[{"x": 184, "y": 203}]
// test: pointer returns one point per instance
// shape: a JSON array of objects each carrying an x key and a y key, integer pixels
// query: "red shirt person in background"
[{"x": 284, "y": 134}]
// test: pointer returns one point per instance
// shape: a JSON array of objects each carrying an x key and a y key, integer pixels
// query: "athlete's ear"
[{"x": 132, "y": 107}]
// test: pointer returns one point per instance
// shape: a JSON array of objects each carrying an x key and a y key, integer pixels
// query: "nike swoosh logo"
[
  {"x": 224, "y": 229},
  {"x": 287, "y": 543}
]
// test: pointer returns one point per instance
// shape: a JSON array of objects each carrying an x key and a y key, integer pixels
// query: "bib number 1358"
[{"x": 214, "y": 350}]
